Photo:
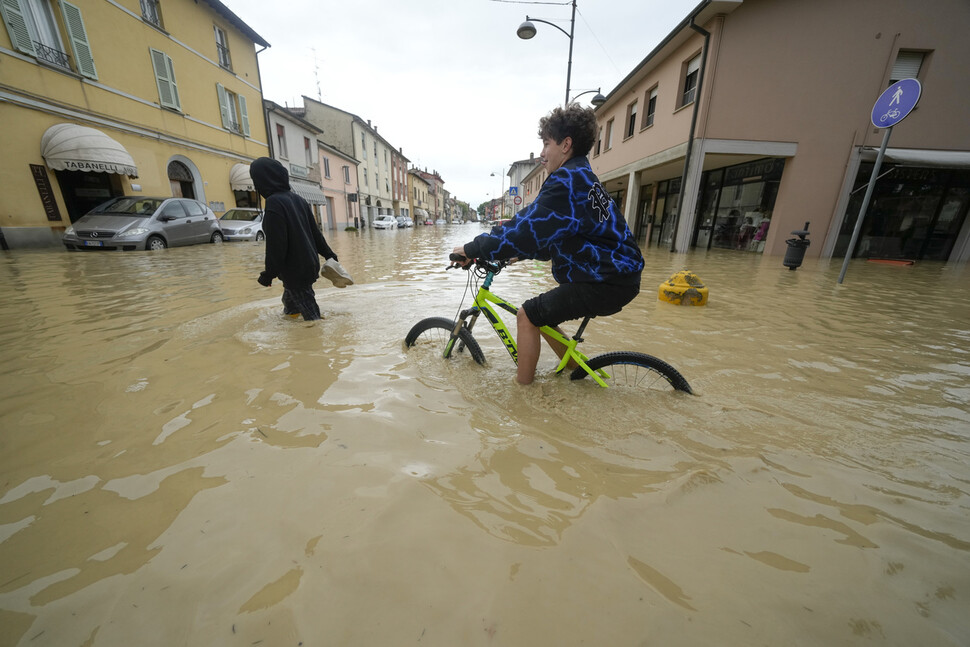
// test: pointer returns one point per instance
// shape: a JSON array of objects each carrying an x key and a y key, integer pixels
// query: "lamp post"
[
  {"x": 527, "y": 30},
  {"x": 597, "y": 101},
  {"x": 501, "y": 192}
]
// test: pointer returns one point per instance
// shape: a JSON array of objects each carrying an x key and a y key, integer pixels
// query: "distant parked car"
[
  {"x": 403, "y": 222},
  {"x": 441, "y": 221},
  {"x": 385, "y": 222},
  {"x": 242, "y": 224},
  {"x": 137, "y": 222}
]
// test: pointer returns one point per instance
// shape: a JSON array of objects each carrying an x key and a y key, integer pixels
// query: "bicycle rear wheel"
[
  {"x": 436, "y": 332},
  {"x": 635, "y": 370}
]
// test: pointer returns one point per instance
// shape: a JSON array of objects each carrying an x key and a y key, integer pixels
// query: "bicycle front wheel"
[
  {"x": 635, "y": 370},
  {"x": 436, "y": 332}
]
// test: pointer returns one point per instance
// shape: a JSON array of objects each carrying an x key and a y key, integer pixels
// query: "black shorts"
[{"x": 577, "y": 300}]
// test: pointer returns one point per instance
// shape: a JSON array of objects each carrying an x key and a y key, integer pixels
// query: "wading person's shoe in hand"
[{"x": 336, "y": 273}]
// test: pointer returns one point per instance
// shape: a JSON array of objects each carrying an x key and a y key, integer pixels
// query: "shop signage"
[
  {"x": 46, "y": 191},
  {"x": 97, "y": 167}
]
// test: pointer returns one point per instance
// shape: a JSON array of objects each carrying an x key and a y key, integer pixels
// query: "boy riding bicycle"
[{"x": 574, "y": 223}]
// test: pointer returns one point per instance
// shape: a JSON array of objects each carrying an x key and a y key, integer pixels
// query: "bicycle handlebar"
[{"x": 461, "y": 261}]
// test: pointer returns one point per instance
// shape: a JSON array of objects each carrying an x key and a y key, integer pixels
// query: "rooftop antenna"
[{"x": 316, "y": 74}]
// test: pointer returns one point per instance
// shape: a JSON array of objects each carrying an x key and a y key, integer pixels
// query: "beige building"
[
  {"x": 418, "y": 191},
  {"x": 776, "y": 98},
  {"x": 102, "y": 99},
  {"x": 381, "y": 168},
  {"x": 436, "y": 198}
]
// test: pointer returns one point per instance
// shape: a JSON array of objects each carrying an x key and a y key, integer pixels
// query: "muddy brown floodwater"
[{"x": 179, "y": 465}]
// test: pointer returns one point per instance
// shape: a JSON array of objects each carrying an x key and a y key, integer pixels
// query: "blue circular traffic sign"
[{"x": 895, "y": 103}]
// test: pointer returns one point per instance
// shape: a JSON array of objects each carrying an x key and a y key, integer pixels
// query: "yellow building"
[{"x": 129, "y": 97}]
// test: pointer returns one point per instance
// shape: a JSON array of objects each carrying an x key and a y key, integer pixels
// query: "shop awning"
[
  {"x": 70, "y": 147},
  {"x": 420, "y": 212},
  {"x": 239, "y": 179},
  {"x": 309, "y": 192},
  {"x": 916, "y": 157}
]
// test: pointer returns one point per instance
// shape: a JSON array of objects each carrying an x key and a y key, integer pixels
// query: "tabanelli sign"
[{"x": 46, "y": 191}]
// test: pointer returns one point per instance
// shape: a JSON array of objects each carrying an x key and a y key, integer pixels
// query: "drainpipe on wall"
[
  {"x": 262, "y": 108},
  {"x": 693, "y": 125}
]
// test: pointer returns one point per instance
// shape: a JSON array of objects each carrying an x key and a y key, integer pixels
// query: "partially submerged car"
[
  {"x": 242, "y": 224},
  {"x": 385, "y": 222},
  {"x": 137, "y": 222}
]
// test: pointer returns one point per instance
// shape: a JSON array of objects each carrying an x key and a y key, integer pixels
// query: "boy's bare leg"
[
  {"x": 527, "y": 341},
  {"x": 559, "y": 348}
]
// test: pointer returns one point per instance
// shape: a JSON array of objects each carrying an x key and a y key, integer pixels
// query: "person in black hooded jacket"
[{"x": 294, "y": 243}]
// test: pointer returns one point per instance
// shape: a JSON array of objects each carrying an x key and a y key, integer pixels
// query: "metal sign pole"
[{"x": 865, "y": 202}]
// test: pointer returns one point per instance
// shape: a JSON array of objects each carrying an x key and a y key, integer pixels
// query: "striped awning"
[
  {"x": 309, "y": 192},
  {"x": 72, "y": 147},
  {"x": 239, "y": 179}
]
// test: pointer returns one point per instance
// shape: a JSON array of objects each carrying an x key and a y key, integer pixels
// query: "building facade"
[
  {"x": 774, "y": 98},
  {"x": 418, "y": 192},
  {"x": 338, "y": 173},
  {"x": 381, "y": 168},
  {"x": 436, "y": 204},
  {"x": 294, "y": 143},
  {"x": 99, "y": 100}
]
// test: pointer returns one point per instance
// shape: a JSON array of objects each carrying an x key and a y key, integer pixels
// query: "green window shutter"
[
  {"x": 223, "y": 105},
  {"x": 244, "y": 115},
  {"x": 13, "y": 17},
  {"x": 165, "y": 77},
  {"x": 79, "y": 40},
  {"x": 171, "y": 78}
]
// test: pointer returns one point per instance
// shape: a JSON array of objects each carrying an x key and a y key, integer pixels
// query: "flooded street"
[{"x": 180, "y": 465}]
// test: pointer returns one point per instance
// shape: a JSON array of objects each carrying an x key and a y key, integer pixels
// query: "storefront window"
[
  {"x": 742, "y": 214},
  {"x": 914, "y": 213}
]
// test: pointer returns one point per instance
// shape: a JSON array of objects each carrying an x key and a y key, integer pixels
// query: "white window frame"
[
  {"x": 326, "y": 167},
  {"x": 281, "y": 141},
  {"x": 631, "y": 120},
  {"x": 308, "y": 151},
  {"x": 609, "y": 134},
  {"x": 691, "y": 78},
  {"x": 222, "y": 47},
  {"x": 228, "y": 102},
  {"x": 651, "y": 111},
  {"x": 346, "y": 175}
]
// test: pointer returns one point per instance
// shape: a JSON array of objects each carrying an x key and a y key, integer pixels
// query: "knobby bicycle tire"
[
  {"x": 637, "y": 370},
  {"x": 437, "y": 330}
]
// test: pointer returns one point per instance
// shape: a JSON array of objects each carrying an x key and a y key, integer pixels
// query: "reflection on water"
[{"x": 178, "y": 460}]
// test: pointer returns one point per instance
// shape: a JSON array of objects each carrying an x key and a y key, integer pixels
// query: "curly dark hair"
[{"x": 573, "y": 121}]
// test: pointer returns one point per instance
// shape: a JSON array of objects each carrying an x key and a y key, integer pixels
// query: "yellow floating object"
[{"x": 683, "y": 289}]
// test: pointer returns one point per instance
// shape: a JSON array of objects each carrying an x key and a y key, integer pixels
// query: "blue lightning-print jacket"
[{"x": 574, "y": 223}]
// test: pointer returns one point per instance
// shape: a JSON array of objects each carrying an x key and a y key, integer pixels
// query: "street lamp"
[
  {"x": 597, "y": 101},
  {"x": 501, "y": 193},
  {"x": 527, "y": 30}
]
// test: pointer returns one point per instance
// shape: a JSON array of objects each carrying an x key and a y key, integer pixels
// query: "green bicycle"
[{"x": 619, "y": 368}]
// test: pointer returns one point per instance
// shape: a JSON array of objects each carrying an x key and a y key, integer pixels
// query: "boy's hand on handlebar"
[{"x": 458, "y": 258}]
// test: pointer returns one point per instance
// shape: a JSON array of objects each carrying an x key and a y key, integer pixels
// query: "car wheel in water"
[
  {"x": 155, "y": 243},
  {"x": 259, "y": 236},
  {"x": 216, "y": 237}
]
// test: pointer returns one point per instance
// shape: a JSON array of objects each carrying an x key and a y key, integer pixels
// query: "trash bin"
[{"x": 796, "y": 248}]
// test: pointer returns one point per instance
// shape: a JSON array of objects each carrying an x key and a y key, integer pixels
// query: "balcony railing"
[
  {"x": 53, "y": 56},
  {"x": 149, "y": 11}
]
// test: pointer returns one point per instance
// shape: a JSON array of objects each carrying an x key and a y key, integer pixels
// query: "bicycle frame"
[{"x": 484, "y": 299}]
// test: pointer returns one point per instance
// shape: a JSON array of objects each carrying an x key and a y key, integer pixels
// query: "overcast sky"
[{"x": 448, "y": 81}]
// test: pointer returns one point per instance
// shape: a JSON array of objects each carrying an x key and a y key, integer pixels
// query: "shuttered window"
[
  {"x": 907, "y": 66},
  {"x": 243, "y": 114},
  {"x": 168, "y": 94},
  {"x": 79, "y": 40},
  {"x": 13, "y": 18}
]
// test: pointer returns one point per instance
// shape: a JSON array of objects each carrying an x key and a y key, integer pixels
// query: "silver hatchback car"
[
  {"x": 137, "y": 222},
  {"x": 242, "y": 224}
]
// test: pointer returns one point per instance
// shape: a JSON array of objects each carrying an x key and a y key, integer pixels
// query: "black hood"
[{"x": 269, "y": 176}]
